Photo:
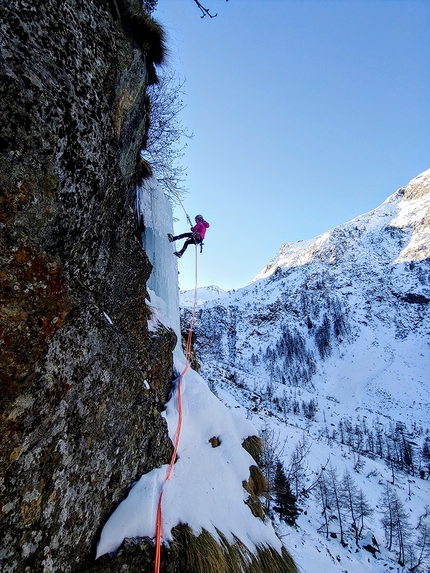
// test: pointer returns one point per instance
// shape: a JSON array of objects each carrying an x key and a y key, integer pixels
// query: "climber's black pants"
[{"x": 192, "y": 240}]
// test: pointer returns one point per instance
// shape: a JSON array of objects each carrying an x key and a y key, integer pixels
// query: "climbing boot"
[
  {"x": 170, "y": 237},
  {"x": 179, "y": 255}
]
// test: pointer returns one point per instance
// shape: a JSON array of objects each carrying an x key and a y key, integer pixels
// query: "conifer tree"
[
  {"x": 272, "y": 451},
  {"x": 351, "y": 497},
  {"x": 356, "y": 504},
  {"x": 298, "y": 466},
  {"x": 286, "y": 501},
  {"x": 364, "y": 509},
  {"x": 425, "y": 455},
  {"x": 387, "y": 516}
]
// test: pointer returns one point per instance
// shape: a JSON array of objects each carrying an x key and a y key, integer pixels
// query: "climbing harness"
[
  {"x": 195, "y": 236},
  {"x": 178, "y": 394}
]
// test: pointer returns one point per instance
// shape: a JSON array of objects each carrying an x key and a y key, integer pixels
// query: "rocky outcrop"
[{"x": 82, "y": 380}]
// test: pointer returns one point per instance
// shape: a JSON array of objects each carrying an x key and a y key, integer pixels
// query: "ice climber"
[{"x": 196, "y": 236}]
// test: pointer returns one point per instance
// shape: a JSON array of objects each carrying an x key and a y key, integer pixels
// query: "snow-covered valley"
[{"x": 327, "y": 352}]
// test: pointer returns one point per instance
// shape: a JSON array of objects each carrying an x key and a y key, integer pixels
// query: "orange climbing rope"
[
  {"x": 178, "y": 396},
  {"x": 178, "y": 428}
]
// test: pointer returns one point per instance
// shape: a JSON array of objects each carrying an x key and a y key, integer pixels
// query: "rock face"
[{"x": 78, "y": 424}]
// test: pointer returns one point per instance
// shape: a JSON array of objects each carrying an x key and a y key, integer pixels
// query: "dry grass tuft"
[
  {"x": 197, "y": 554},
  {"x": 214, "y": 442},
  {"x": 147, "y": 32},
  {"x": 256, "y": 507},
  {"x": 255, "y": 486},
  {"x": 271, "y": 561},
  {"x": 203, "y": 554},
  {"x": 254, "y": 446},
  {"x": 142, "y": 171},
  {"x": 257, "y": 483}
]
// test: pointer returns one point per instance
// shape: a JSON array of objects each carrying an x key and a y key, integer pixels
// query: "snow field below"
[
  {"x": 205, "y": 489},
  {"x": 310, "y": 549}
]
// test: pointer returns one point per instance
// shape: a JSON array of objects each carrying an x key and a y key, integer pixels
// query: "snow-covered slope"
[{"x": 331, "y": 340}]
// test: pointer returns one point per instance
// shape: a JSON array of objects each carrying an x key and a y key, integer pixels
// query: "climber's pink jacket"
[{"x": 200, "y": 228}]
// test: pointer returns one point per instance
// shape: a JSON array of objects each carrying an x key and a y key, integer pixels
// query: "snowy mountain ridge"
[
  {"x": 404, "y": 210},
  {"x": 330, "y": 341},
  {"x": 204, "y": 294}
]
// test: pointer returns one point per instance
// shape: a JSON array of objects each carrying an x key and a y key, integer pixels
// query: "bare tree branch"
[
  {"x": 205, "y": 11},
  {"x": 165, "y": 150}
]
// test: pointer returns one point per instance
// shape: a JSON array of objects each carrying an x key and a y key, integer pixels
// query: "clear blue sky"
[{"x": 306, "y": 113}]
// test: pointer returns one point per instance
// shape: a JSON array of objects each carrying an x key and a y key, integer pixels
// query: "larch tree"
[
  {"x": 420, "y": 551},
  {"x": 395, "y": 522},
  {"x": 364, "y": 509},
  {"x": 164, "y": 148},
  {"x": 337, "y": 497},
  {"x": 323, "y": 496},
  {"x": 351, "y": 498},
  {"x": 298, "y": 467}
]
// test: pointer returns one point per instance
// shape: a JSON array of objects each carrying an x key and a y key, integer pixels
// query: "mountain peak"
[
  {"x": 419, "y": 186},
  {"x": 204, "y": 294},
  {"x": 397, "y": 230}
]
